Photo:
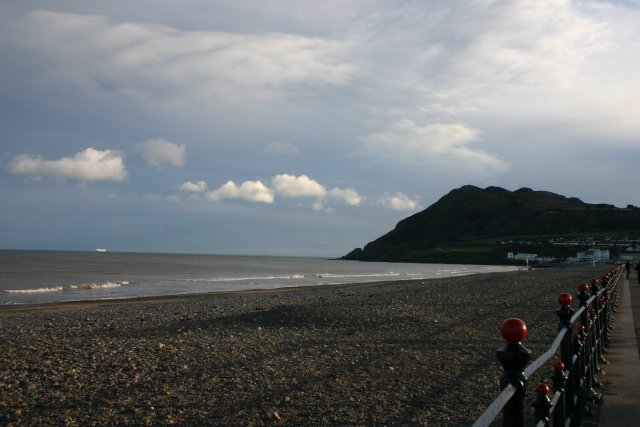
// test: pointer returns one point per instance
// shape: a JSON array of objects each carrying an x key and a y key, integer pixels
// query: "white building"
[
  {"x": 592, "y": 255},
  {"x": 521, "y": 256}
]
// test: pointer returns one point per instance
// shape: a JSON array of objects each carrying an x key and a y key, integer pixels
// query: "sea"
[{"x": 38, "y": 277}]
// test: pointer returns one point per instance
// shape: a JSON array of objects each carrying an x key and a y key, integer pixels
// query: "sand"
[{"x": 395, "y": 353}]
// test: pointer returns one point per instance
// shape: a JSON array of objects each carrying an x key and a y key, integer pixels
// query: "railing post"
[
  {"x": 559, "y": 380},
  {"x": 514, "y": 357},
  {"x": 603, "y": 325},
  {"x": 585, "y": 336},
  {"x": 616, "y": 296},
  {"x": 565, "y": 313},
  {"x": 577, "y": 380},
  {"x": 542, "y": 403},
  {"x": 583, "y": 296},
  {"x": 597, "y": 328},
  {"x": 594, "y": 344},
  {"x": 606, "y": 313}
]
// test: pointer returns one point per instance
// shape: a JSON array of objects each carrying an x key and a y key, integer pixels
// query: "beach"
[{"x": 417, "y": 352}]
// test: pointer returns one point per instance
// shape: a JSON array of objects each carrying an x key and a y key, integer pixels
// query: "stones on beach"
[{"x": 401, "y": 353}]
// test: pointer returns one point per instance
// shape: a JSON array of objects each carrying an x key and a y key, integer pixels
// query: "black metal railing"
[{"x": 578, "y": 352}]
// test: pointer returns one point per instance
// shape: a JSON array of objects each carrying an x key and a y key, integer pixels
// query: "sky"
[{"x": 295, "y": 127}]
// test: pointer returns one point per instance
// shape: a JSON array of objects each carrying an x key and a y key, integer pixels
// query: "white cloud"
[
  {"x": 444, "y": 144},
  {"x": 87, "y": 165},
  {"x": 347, "y": 195},
  {"x": 157, "y": 62},
  {"x": 286, "y": 185},
  {"x": 400, "y": 202},
  {"x": 515, "y": 67},
  {"x": 283, "y": 185},
  {"x": 158, "y": 152},
  {"x": 252, "y": 191},
  {"x": 297, "y": 186},
  {"x": 194, "y": 187}
]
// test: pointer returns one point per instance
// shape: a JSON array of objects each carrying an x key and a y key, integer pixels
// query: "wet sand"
[{"x": 397, "y": 353}]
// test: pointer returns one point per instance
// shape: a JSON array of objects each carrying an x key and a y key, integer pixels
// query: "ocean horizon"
[{"x": 46, "y": 276}]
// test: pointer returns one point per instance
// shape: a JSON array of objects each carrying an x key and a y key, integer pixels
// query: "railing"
[{"x": 581, "y": 351}]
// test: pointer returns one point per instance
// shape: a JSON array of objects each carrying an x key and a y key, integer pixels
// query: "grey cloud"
[
  {"x": 158, "y": 152},
  {"x": 144, "y": 60}
]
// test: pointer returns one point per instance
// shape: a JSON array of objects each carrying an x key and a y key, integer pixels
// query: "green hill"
[{"x": 475, "y": 225}]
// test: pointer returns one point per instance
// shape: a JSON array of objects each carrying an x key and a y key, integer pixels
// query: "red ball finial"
[
  {"x": 558, "y": 366},
  {"x": 583, "y": 287},
  {"x": 513, "y": 330},
  {"x": 576, "y": 337},
  {"x": 594, "y": 281},
  {"x": 565, "y": 299},
  {"x": 581, "y": 328},
  {"x": 542, "y": 389}
]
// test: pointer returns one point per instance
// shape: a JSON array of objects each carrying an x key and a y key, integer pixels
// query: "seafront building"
[
  {"x": 522, "y": 256},
  {"x": 583, "y": 257},
  {"x": 592, "y": 255}
]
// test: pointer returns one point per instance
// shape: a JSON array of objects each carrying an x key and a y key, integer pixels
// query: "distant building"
[
  {"x": 592, "y": 255},
  {"x": 521, "y": 256},
  {"x": 601, "y": 255}
]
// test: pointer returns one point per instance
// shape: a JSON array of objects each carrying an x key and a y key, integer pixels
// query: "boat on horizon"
[{"x": 101, "y": 250}]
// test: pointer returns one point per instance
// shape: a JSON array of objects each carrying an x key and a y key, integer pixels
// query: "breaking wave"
[
  {"x": 347, "y": 276},
  {"x": 254, "y": 279},
  {"x": 84, "y": 286},
  {"x": 251, "y": 278}
]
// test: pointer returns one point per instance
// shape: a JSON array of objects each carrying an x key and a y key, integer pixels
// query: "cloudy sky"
[{"x": 295, "y": 127}]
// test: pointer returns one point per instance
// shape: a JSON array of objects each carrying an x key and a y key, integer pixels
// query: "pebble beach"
[{"x": 394, "y": 353}]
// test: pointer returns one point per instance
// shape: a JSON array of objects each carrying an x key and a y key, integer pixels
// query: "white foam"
[
  {"x": 106, "y": 285},
  {"x": 347, "y": 276},
  {"x": 33, "y": 291},
  {"x": 85, "y": 286},
  {"x": 250, "y": 278}
]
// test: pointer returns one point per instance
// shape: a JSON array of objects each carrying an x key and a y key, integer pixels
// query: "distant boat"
[{"x": 101, "y": 250}]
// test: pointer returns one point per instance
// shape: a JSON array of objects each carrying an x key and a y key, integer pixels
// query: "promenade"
[{"x": 621, "y": 397}]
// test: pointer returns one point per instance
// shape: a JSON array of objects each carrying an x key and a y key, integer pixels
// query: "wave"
[
  {"x": 251, "y": 278},
  {"x": 254, "y": 279},
  {"x": 106, "y": 285},
  {"x": 84, "y": 286},
  {"x": 347, "y": 276},
  {"x": 33, "y": 291}
]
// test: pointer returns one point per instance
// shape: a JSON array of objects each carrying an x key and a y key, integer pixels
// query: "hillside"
[{"x": 471, "y": 224}]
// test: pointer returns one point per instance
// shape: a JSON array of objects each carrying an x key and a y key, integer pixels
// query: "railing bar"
[
  {"x": 496, "y": 406},
  {"x": 576, "y": 316},
  {"x": 547, "y": 355}
]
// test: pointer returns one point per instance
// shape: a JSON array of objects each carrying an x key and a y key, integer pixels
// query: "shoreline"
[
  {"x": 391, "y": 352},
  {"x": 156, "y": 299}
]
